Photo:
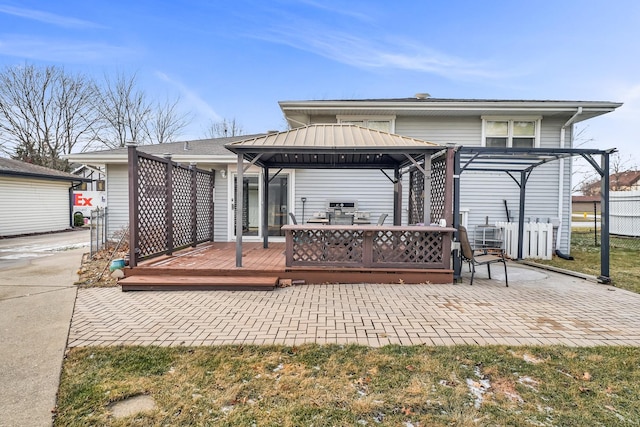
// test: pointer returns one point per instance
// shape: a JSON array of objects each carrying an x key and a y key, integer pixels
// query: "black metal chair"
[
  {"x": 484, "y": 256},
  {"x": 293, "y": 218},
  {"x": 382, "y": 218}
]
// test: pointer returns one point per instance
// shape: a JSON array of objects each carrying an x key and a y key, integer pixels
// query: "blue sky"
[{"x": 237, "y": 59}]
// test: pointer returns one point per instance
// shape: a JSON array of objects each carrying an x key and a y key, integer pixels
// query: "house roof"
[
  {"x": 10, "y": 167},
  {"x": 333, "y": 146},
  {"x": 200, "y": 150},
  {"x": 617, "y": 181},
  {"x": 299, "y": 112},
  {"x": 585, "y": 199}
]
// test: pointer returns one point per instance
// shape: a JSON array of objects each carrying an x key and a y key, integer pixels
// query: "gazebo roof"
[{"x": 333, "y": 146}]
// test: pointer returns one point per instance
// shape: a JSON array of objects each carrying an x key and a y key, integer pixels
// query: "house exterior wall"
[
  {"x": 33, "y": 206},
  {"x": 370, "y": 188},
  {"x": 117, "y": 197},
  {"x": 483, "y": 194}
]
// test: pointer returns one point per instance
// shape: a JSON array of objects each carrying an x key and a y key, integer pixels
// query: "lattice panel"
[
  {"x": 181, "y": 208},
  {"x": 407, "y": 247},
  {"x": 416, "y": 196},
  {"x": 152, "y": 206},
  {"x": 329, "y": 246},
  {"x": 204, "y": 203},
  {"x": 438, "y": 182}
]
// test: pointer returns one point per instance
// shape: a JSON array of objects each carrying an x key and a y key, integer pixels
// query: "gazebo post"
[
  {"x": 397, "y": 197},
  {"x": 265, "y": 207},
  {"x": 426, "y": 209},
  {"x": 239, "y": 207},
  {"x": 457, "y": 262}
]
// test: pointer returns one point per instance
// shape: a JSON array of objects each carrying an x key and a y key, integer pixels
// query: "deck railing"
[{"x": 390, "y": 247}]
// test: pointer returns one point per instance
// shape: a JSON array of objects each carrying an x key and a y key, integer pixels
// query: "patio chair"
[
  {"x": 382, "y": 218},
  {"x": 293, "y": 218},
  {"x": 485, "y": 256}
]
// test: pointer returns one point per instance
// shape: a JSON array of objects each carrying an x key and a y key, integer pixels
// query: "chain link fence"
[{"x": 98, "y": 223}]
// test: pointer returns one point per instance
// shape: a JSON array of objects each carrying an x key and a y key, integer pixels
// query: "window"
[
  {"x": 518, "y": 133},
  {"x": 100, "y": 185},
  {"x": 384, "y": 124}
]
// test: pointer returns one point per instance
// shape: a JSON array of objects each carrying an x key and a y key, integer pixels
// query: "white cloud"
[
  {"x": 191, "y": 98},
  {"x": 48, "y": 18},
  {"x": 60, "y": 50},
  {"x": 371, "y": 52}
]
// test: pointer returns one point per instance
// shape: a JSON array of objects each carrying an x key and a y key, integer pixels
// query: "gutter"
[{"x": 569, "y": 122}]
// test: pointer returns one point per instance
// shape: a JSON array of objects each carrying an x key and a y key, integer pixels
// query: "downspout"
[{"x": 569, "y": 122}]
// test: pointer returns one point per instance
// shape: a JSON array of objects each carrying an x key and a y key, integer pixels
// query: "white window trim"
[
  {"x": 511, "y": 119},
  {"x": 353, "y": 118}
]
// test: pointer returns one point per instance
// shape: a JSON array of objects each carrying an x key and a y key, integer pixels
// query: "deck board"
[{"x": 218, "y": 260}]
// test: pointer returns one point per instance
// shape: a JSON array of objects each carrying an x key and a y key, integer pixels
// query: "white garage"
[{"x": 35, "y": 199}]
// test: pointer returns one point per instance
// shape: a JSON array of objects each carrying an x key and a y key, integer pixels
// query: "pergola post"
[
  {"x": 239, "y": 207},
  {"x": 604, "y": 221},
  {"x": 523, "y": 187}
]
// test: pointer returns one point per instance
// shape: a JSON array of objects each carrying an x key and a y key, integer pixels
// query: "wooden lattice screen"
[
  {"x": 171, "y": 206},
  {"x": 441, "y": 190}
]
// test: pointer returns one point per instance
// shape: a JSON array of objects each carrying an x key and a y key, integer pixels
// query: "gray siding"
[
  {"x": 221, "y": 209},
  {"x": 442, "y": 130},
  {"x": 117, "y": 198},
  {"x": 371, "y": 189},
  {"x": 33, "y": 206}
]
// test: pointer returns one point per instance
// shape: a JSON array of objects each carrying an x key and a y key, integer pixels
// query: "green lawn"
[{"x": 624, "y": 259}]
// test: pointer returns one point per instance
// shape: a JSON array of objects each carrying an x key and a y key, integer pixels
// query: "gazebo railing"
[{"x": 390, "y": 247}]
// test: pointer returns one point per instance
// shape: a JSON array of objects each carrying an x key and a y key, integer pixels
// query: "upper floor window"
[
  {"x": 383, "y": 123},
  {"x": 518, "y": 133}
]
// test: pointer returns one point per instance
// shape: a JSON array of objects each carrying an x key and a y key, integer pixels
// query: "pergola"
[
  {"x": 336, "y": 146},
  {"x": 518, "y": 163}
]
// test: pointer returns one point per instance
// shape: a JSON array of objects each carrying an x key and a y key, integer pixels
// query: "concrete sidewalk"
[
  {"x": 538, "y": 308},
  {"x": 37, "y": 296}
]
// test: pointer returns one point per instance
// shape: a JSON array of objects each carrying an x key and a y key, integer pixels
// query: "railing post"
[
  {"x": 133, "y": 204},
  {"x": 168, "y": 208},
  {"x": 367, "y": 248},
  {"x": 194, "y": 204}
]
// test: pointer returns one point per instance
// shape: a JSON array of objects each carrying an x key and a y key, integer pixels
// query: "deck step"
[{"x": 208, "y": 283}]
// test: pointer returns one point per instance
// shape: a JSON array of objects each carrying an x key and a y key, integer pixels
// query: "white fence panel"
[
  {"x": 538, "y": 239},
  {"x": 624, "y": 213}
]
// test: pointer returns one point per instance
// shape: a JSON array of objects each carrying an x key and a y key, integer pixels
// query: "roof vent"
[{"x": 422, "y": 95}]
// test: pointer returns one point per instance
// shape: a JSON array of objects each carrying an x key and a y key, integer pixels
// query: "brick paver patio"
[{"x": 538, "y": 308}]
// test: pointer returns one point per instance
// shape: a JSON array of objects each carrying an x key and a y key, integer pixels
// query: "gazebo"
[{"x": 336, "y": 146}]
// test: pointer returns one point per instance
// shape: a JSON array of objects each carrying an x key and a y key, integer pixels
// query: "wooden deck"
[{"x": 213, "y": 266}]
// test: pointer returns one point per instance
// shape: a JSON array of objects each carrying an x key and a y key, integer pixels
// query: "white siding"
[
  {"x": 221, "y": 209},
  {"x": 33, "y": 206},
  {"x": 370, "y": 188},
  {"x": 117, "y": 198},
  {"x": 442, "y": 130},
  {"x": 484, "y": 193}
]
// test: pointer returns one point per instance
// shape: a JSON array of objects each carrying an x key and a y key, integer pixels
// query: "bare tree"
[
  {"x": 618, "y": 165},
  {"x": 167, "y": 123},
  {"x": 45, "y": 112},
  {"x": 224, "y": 128},
  {"x": 124, "y": 112}
]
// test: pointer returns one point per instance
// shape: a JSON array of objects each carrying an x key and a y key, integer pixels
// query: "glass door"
[
  {"x": 250, "y": 205},
  {"x": 277, "y": 211}
]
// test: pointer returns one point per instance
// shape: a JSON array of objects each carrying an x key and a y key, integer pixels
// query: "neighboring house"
[
  {"x": 35, "y": 199},
  {"x": 585, "y": 204},
  {"x": 305, "y": 192},
  {"x": 620, "y": 181}
]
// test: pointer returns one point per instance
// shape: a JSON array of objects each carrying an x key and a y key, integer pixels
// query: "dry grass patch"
[{"x": 352, "y": 385}]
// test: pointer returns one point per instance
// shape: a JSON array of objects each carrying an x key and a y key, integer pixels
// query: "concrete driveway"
[{"x": 37, "y": 296}]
